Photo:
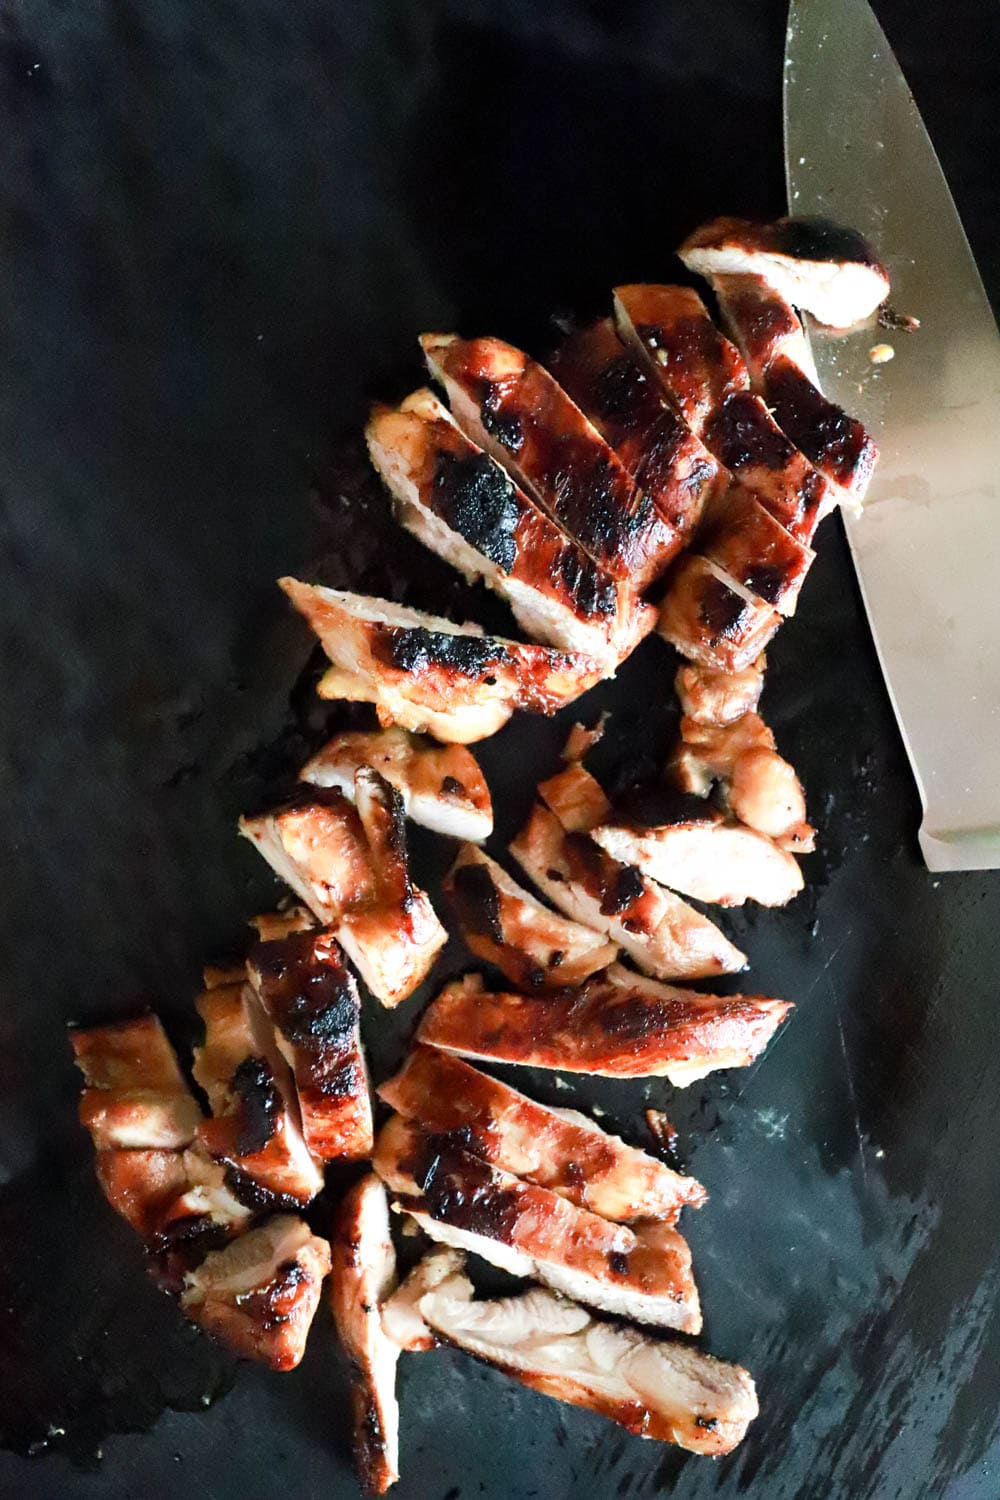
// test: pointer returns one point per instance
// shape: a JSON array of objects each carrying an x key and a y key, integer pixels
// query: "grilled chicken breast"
[
  {"x": 620, "y": 1025},
  {"x": 136, "y": 1097},
  {"x": 819, "y": 266},
  {"x": 256, "y": 1129},
  {"x": 555, "y": 1148},
  {"x": 665, "y": 458},
  {"x": 259, "y": 1295},
  {"x": 305, "y": 988},
  {"x": 763, "y": 326},
  {"x": 704, "y": 856},
  {"x": 349, "y": 864},
  {"x": 465, "y": 1202},
  {"x": 754, "y": 551},
  {"x": 462, "y": 505},
  {"x": 504, "y": 925},
  {"x": 362, "y": 1279},
  {"x": 660, "y": 932},
  {"x": 401, "y": 1318},
  {"x": 711, "y": 619},
  {"x": 441, "y": 786},
  {"x": 760, "y": 788},
  {"x": 141, "y": 1185},
  {"x": 712, "y": 697},
  {"x": 421, "y": 669},
  {"x": 657, "y": 1388},
  {"x": 512, "y": 407}
]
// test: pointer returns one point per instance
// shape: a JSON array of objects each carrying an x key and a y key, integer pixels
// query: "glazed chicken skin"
[
  {"x": 468, "y": 1203},
  {"x": 665, "y": 458},
  {"x": 516, "y": 411},
  {"x": 258, "y": 1296},
  {"x": 557, "y": 1149},
  {"x": 658, "y": 1388},
  {"x": 349, "y": 865},
  {"x": 759, "y": 787},
  {"x": 363, "y": 1277},
  {"x": 504, "y": 925},
  {"x": 462, "y": 505},
  {"x": 312, "y": 1000},
  {"x": 619, "y": 1025},
  {"x": 424, "y": 672}
]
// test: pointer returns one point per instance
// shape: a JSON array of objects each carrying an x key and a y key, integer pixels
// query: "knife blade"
[{"x": 927, "y": 543}]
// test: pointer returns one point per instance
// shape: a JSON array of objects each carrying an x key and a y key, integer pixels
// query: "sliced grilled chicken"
[
  {"x": 459, "y": 724},
  {"x": 465, "y": 1202},
  {"x": 420, "y": 668},
  {"x": 619, "y": 1025},
  {"x": 305, "y": 988},
  {"x": 272, "y": 925},
  {"x": 668, "y": 462},
  {"x": 582, "y": 738},
  {"x": 206, "y": 1205},
  {"x": 512, "y": 407},
  {"x": 504, "y": 925},
  {"x": 401, "y": 1317},
  {"x": 141, "y": 1185},
  {"x": 363, "y": 1277},
  {"x": 555, "y": 1148},
  {"x": 774, "y": 346},
  {"x": 657, "y": 1388},
  {"x": 712, "y": 620},
  {"x": 349, "y": 865},
  {"x": 576, "y": 798},
  {"x": 819, "y": 266},
  {"x": 256, "y": 1129},
  {"x": 660, "y": 932},
  {"x": 754, "y": 551},
  {"x": 441, "y": 786},
  {"x": 711, "y": 697},
  {"x": 136, "y": 1097},
  {"x": 462, "y": 505},
  {"x": 760, "y": 787},
  {"x": 258, "y": 1297},
  {"x": 703, "y": 855}
]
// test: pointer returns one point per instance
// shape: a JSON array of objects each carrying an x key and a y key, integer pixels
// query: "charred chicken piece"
[
  {"x": 441, "y": 786},
  {"x": 558, "y": 1149},
  {"x": 660, "y": 932},
  {"x": 754, "y": 551},
  {"x": 401, "y": 1318},
  {"x": 658, "y": 1388},
  {"x": 349, "y": 864},
  {"x": 425, "y": 672},
  {"x": 463, "y": 1201},
  {"x": 512, "y": 407},
  {"x": 363, "y": 1278},
  {"x": 712, "y": 620},
  {"x": 258, "y": 1296},
  {"x": 823, "y": 268},
  {"x": 620, "y": 1025},
  {"x": 712, "y": 697},
  {"x": 702, "y": 854},
  {"x": 504, "y": 925},
  {"x": 760, "y": 788},
  {"x": 312, "y": 1000},
  {"x": 665, "y": 458},
  {"x": 462, "y": 505},
  {"x": 136, "y": 1097}
]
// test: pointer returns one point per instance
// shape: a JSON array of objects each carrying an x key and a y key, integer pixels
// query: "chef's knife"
[{"x": 927, "y": 544}]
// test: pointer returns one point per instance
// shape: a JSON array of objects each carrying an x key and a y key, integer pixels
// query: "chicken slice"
[
  {"x": 135, "y": 1096},
  {"x": 760, "y": 788},
  {"x": 441, "y": 786},
  {"x": 512, "y": 407},
  {"x": 462, "y": 505},
  {"x": 558, "y": 1149},
  {"x": 665, "y": 458},
  {"x": 401, "y": 1318},
  {"x": 259, "y": 1295},
  {"x": 504, "y": 925},
  {"x": 712, "y": 697},
  {"x": 141, "y": 1185},
  {"x": 363, "y": 1277},
  {"x": 256, "y": 1129},
  {"x": 620, "y": 1025},
  {"x": 312, "y": 1000},
  {"x": 418, "y": 665},
  {"x": 270, "y": 926},
  {"x": 748, "y": 441},
  {"x": 814, "y": 264},
  {"x": 702, "y": 854},
  {"x": 712, "y": 620},
  {"x": 576, "y": 798},
  {"x": 660, "y": 932},
  {"x": 754, "y": 551},
  {"x": 657, "y": 1388},
  {"x": 465, "y": 1202},
  {"x": 763, "y": 326},
  {"x": 457, "y": 724}
]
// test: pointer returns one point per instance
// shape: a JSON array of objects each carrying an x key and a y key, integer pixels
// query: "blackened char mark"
[
  {"x": 723, "y": 612},
  {"x": 418, "y": 650},
  {"x": 253, "y": 1082},
  {"x": 596, "y": 500},
  {"x": 477, "y": 902},
  {"x": 503, "y": 424},
  {"x": 823, "y": 431},
  {"x": 476, "y": 499},
  {"x": 741, "y": 435},
  {"x": 459, "y": 1188},
  {"x": 621, "y": 891},
  {"x": 593, "y": 593},
  {"x": 452, "y": 787},
  {"x": 621, "y": 394},
  {"x": 811, "y": 237},
  {"x": 766, "y": 580},
  {"x": 308, "y": 991}
]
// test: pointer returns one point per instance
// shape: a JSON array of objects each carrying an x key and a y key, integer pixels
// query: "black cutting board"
[{"x": 221, "y": 226}]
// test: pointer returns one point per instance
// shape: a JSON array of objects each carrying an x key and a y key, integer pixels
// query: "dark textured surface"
[{"x": 220, "y": 227}]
